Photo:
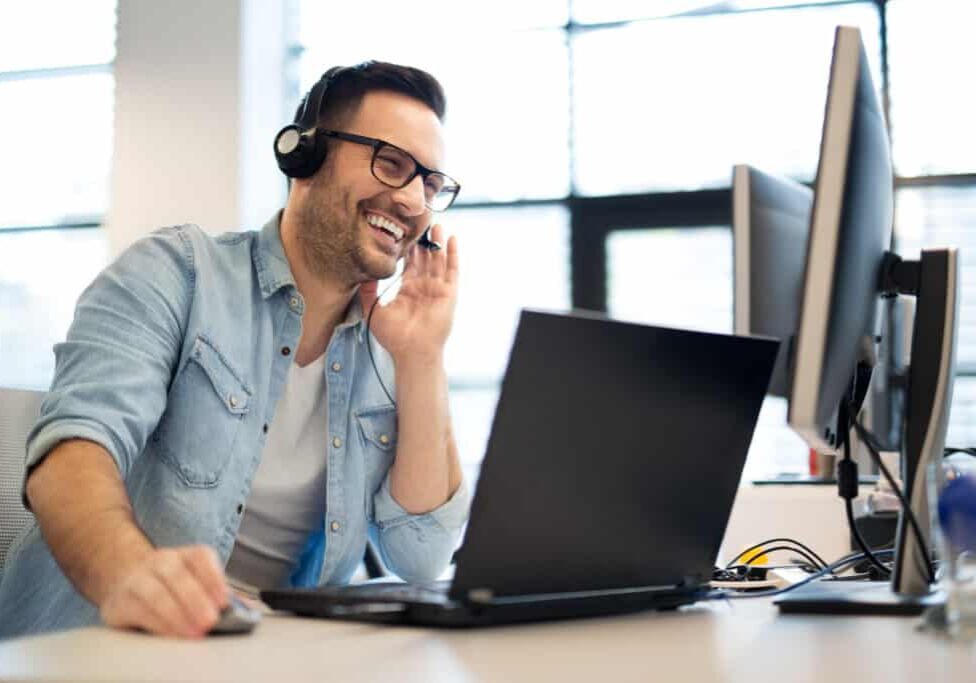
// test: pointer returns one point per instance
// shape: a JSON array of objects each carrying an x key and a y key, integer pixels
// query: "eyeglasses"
[{"x": 395, "y": 167}]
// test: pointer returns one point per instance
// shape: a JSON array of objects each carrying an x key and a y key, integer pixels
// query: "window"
[
  {"x": 931, "y": 116},
  {"x": 57, "y": 147},
  {"x": 605, "y": 11},
  {"x": 42, "y": 272},
  {"x": 932, "y": 111},
  {"x": 56, "y": 96},
  {"x": 599, "y": 137},
  {"x": 672, "y": 104},
  {"x": 939, "y": 216},
  {"x": 646, "y": 267}
]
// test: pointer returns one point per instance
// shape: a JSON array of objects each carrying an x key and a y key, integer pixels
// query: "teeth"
[{"x": 385, "y": 224}]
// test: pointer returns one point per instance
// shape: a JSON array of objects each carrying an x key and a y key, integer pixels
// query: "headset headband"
[{"x": 312, "y": 106}]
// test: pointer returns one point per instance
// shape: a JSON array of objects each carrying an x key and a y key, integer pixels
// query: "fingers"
[
  {"x": 447, "y": 263},
  {"x": 452, "y": 260},
  {"x": 202, "y": 560},
  {"x": 177, "y": 592},
  {"x": 441, "y": 264},
  {"x": 137, "y": 607},
  {"x": 436, "y": 259},
  {"x": 411, "y": 264}
]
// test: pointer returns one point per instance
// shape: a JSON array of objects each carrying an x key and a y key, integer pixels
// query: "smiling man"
[{"x": 222, "y": 416}]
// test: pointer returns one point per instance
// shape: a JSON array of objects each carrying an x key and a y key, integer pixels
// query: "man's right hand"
[
  {"x": 95, "y": 539},
  {"x": 173, "y": 592}
]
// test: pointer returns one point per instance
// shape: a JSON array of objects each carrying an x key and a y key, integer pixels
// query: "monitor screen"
[
  {"x": 770, "y": 221},
  {"x": 850, "y": 231}
]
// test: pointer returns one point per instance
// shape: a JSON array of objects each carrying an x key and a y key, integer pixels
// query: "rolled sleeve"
[
  {"x": 72, "y": 428},
  {"x": 113, "y": 370},
  {"x": 418, "y": 548}
]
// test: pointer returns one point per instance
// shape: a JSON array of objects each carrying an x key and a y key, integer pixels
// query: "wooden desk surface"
[{"x": 745, "y": 641}]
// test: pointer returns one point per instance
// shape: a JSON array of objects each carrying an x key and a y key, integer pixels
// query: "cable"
[
  {"x": 369, "y": 347},
  {"x": 839, "y": 565},
  {"x": 775, "y": 548},
  {"x": 847, "y": 487},
  {"x": 867, "y": 439},
  {"x": 822, "y": 563},
  {"x": 865, "y": 548}
]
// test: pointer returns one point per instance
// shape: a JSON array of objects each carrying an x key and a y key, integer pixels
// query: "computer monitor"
[
  {"x": 770, "y": 222},
  {"x": 848, "y": 267}
]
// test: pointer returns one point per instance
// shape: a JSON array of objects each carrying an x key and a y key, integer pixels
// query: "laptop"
[{"x": 613, "y": 461}]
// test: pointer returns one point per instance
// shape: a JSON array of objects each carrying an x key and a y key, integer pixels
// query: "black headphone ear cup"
[{"x": 299, "y": 152}]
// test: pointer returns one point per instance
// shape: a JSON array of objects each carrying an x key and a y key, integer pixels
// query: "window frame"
[
  {"x": 593, "y": 218},
  {"x": 97, "y": 221}
]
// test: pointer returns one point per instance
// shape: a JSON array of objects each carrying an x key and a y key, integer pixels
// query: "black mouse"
[{"x": 237, "y": 617}]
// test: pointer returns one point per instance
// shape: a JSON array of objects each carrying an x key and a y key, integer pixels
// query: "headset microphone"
[{"x": 427, "y": 243}]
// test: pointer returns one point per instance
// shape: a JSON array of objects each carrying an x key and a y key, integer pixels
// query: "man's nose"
[{"x": 411, "y": 197}]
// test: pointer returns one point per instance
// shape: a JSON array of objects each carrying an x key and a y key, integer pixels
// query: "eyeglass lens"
[{"x": 396, "y": 168}]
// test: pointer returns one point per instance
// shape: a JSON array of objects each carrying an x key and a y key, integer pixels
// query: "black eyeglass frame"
[{"x": 450, "y": 184}]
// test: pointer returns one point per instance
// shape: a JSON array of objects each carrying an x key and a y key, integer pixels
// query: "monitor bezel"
[{"x": 822, "y": 242}]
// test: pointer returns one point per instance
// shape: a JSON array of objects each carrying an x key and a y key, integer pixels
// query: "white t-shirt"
[{"x": 287, "y": 499}]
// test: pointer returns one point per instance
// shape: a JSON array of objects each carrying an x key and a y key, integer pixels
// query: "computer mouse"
[{"x": 237, "y": 617}]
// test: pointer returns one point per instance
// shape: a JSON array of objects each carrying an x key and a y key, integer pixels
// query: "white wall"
[{"x": 200, "y": 91}]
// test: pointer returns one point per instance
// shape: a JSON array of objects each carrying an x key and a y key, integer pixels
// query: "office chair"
[{"x": 18, "y": 411}]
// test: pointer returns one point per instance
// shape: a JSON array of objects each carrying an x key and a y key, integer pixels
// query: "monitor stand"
[
  {"x": 934, "y": 281},
  {"x": 830, "y": 596}
]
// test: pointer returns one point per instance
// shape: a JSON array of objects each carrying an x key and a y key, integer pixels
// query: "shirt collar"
[
  {"x": 354, "y": 315},
  {"x": 274, "y": 272},
  {"x": 270, "y": 260}
]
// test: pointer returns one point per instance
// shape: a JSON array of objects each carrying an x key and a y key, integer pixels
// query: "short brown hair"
[{"x": 346, "y": 86}]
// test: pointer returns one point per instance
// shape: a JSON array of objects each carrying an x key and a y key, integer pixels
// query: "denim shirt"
[{"x": 175, "y": 359}]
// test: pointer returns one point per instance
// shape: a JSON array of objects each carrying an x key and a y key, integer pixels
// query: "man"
[{"x": 220, "y": 403}]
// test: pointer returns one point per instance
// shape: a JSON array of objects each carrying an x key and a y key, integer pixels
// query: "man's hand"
[
  {"x": 418, "y": 321},
  {"x": 173, "y": 592},
  {"x": 96, "y": 541}
]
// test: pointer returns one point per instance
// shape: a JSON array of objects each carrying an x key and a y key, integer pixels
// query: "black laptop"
[{"x": 612, "y": 465}]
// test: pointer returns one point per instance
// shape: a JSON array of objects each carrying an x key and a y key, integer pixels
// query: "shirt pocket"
[
  {"x": 204, "y": 413},
  {"x": 378, "y": 427}
]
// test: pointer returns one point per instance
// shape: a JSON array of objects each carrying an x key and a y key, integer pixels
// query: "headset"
[{"x": 300, "y": 149}]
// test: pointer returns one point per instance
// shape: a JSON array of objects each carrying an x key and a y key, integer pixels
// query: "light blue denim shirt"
[{"x": 174, "y": 362}]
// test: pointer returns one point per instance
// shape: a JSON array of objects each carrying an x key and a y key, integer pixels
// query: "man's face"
[{"x": 335, "y": 234}]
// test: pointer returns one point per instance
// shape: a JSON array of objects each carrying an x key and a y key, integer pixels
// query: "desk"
[{"x": 744, "y": 641}]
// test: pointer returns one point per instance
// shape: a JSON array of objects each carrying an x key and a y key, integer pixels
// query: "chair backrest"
[{"x": 18, "y": 412}]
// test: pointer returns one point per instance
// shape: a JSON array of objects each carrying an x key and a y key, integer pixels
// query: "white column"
[{"x": 199, "y": 95}]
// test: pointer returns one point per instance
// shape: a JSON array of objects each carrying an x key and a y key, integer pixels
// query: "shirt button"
[
  {"x": 334, "y": 526},
  {"x": 285, "y": 351},
  {"x": 240, "y": 508},
  {"x": 293, "y": 302},
  {"x": 384, "y": 439},
  {"x": 232, "y": 401},
  {"x": 336, "y": 366},
  {"x": 337, "y": 442}
]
